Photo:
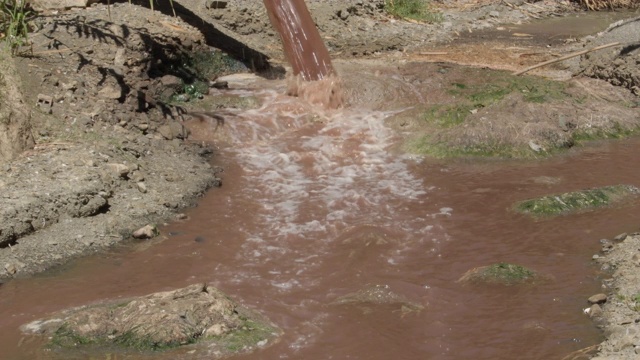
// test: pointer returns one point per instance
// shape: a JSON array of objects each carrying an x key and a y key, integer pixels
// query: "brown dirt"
[{"x": 15, "y": 117}]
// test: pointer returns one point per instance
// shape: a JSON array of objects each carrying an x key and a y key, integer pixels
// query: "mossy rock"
[
  {"x": 371, "y": 297},
  {"x": 576, "y": 201},
  {"x": 198, "y": 316},
  {"x": 501, "y": 274}
]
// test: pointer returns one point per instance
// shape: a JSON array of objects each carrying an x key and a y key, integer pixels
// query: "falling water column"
[{"x": 302, "y": 43}]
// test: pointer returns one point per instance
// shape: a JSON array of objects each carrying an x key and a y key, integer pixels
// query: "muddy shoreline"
[{"x": 102, "y": 167}]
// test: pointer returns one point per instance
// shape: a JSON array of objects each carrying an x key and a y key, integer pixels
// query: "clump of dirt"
[
  {"x": 373, "y": 297},
  {"x": 577, "y": 201},
  {"x": 617, "y": 312},
  {"x": 502, "y": 274},
  {"x": 198, "y": 316},
  {"x": 618, "y": 65}
]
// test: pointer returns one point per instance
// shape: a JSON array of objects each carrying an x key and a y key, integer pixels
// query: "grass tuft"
[
  {"x": 575, "y": 201},
  {"x": 14, "y": 23},
  {"x": 418, "y": 10},
  {"x": 500, "y": 273}
]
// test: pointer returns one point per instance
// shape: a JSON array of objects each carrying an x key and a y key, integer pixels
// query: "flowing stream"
[{"x": 314, "y": 207}]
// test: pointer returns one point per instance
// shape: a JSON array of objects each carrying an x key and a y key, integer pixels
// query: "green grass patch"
[
  {"x": 617, "y": 131},
  {"x": 491, "y": 86},
  {"x": 245, "y": 337},
  {"x": 490, "y": 149},
  {"x": 197, "y": 69},
  {"x": 14, "y": 23},
  {"x": 500, "y": 273},
  {"x": 419, "y": 10},
  {"x": 64, "y": 337},
  {"x": 132, "y": 340},
  {"x": 447, "y": 116},
  {"x": 576, "y": 201}
]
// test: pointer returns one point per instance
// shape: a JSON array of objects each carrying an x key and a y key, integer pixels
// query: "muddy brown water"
[
  {"x": 551, "y": 32},
  {"x": 315, "y": 207},
  {"x": 303, "y": 46}
]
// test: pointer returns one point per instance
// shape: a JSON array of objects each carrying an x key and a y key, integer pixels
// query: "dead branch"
[{"x": 566, "y": 57}]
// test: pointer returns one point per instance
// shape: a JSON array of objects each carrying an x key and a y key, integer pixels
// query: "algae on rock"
[
  {"x": 500, "y": 273},
  {"x": 576, "y": 200},
  {"x": 198, "y": 314}
]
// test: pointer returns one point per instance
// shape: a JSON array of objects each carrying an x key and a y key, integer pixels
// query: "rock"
[
  {"x": 95, "y": 205},
  {"x": 535, "y": 147},
  {"x": 220, "y": 85},
  {"x": 595, "y": 311},
  {"x": 500, "y": 273},
  {"x": 577, "y": 201},
  {"x": 173, "y": 130},
  {"x": 213, "y": 4},
  {"x": 160, "y": 321},
  {"x": 119, "y": 59},
  {"x": 141, "y": 187},
  {"x": 145, "y": 232},
  {"x": 597, "y": 299},
  {"x": 110, "y": 92},
  {"x": 373, "y": 295},
  {"x": 120, "y": 170},
  {"x": 171, "y": 81},
  {"x": 343, "y": 14},
  {"x": 620, "y": 237},
  {"x": 10, "y": 268}
]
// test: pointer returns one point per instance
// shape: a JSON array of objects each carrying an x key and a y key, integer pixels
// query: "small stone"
[
  {"x": 595, "y": 311},
  {"x": 181, "y": 216},
  {"x": 109, "y": 92},
  {"x": 120, "y": 170},
  {"x": 535, "y": 147},
  {"x": 119, "y": 59},
  {"x": 220, "y": 85},
  {"x": 10, "y": 268},
  {"x": 620, "y": 237},
  {"x": 141, "y": 187},
  {"x": 598, "y": 299},
  {"x": 145, "y": 232},
  {"x": 216, "y": 4},
  {"x": 343, "y": 14},
  {"x": 595, "y": 257},
  {"x": 137, "y": 176},
  {"x": 171, "y": 81}
]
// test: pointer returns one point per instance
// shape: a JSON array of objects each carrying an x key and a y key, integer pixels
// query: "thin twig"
[{"x": 565, "y": 57}]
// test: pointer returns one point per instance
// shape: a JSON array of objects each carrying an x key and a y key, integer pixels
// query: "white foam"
[{"x": 312, "y": 180}]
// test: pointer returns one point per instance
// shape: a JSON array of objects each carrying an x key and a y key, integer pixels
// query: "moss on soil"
[
  {"x": 487, "y": 88},
  {"x": 575, "y": 201},
  {"x": 419, "y": 10},
  {"x": 500, "y": 273},
  {"x": 245, "y": 337}
]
